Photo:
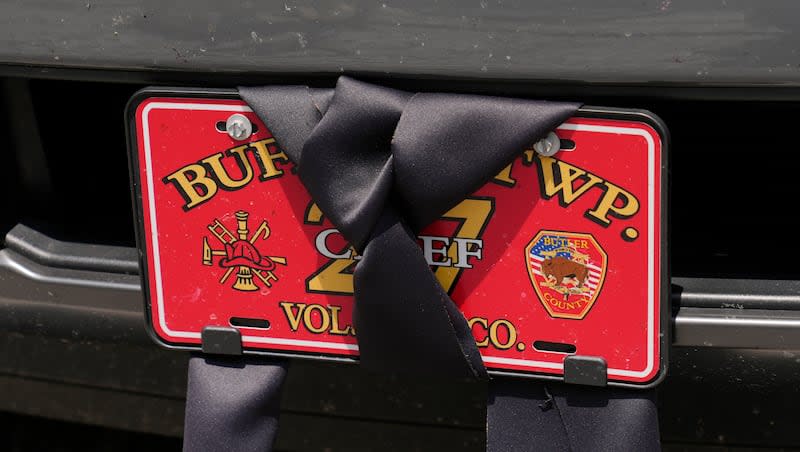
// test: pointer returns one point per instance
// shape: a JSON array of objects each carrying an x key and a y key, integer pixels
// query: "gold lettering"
[
  {"x": 332, "y": 278},
  {"x": 313, "y": 214},
  {"x": 473, "y": 214},
  {"x": 607, "y": 206},
  {"x": 325, "y": 319},
  {"x": 335, "y": 310},
  {"x": 511, "y": 334},
  {"x": 528, "y": 156},
  {"x": 504, "y": 177},
  {"x": 562, "y": 182},
  {"x": 196, "y": 189},
  {"x": 266, "y": 160},
  {"x": 292, "y": 316},
  {"x": 485, "y": 324},
  {"x": 218, "y": 169}
]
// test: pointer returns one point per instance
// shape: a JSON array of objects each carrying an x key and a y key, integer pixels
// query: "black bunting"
[
  {"x": 382, "y": 164},
  {"x": 232, "y": 404}
]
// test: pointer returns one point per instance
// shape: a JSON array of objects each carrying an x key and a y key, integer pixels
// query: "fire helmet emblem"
[{"x": 240, "y": 254}]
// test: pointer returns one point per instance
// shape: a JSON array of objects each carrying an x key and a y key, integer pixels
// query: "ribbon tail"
[
  {"x": 232, "y": 404},
  {"x": 525, "y": 415}
]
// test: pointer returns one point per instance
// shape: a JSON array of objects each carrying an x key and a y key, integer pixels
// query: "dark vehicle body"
[{"x": 723, "y": 75}]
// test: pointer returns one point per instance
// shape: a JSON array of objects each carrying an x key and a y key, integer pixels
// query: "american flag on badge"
[{"x": 567, "y": 271}]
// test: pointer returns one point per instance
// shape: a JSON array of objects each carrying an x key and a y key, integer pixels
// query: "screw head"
[
  {"x": 239, "y": 127},
  {"x": 548, "y": 146}
]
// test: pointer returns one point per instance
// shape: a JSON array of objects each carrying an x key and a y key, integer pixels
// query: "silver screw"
[
  {"x": 239, "y": 127},
  {"x": 548, "y": 146}
]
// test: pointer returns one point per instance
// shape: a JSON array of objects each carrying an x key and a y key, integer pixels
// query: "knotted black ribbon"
[{"x": 382, "y": 164}]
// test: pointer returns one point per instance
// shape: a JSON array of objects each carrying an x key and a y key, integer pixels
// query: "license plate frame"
[{"x": 498, "y": 363}]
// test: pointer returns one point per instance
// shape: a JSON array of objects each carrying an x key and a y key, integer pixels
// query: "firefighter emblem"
[
  {"x": 240, "y": 255},
  {"x": 567, "y": 271}
]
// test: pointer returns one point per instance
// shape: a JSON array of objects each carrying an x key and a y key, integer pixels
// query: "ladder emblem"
[{"x": 240, "y": 254}]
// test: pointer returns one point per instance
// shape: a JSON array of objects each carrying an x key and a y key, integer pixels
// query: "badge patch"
[
  {"x": 240, "y": 254},
  {"x": 567, "y": 270}
]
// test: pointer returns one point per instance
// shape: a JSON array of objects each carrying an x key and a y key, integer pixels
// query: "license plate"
[{"x": 556, "y": 256}]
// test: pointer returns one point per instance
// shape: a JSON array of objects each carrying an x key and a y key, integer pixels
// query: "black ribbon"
[
  {"x": 382, "y": 164},
  {"x": 232, "y": 404},
  {"x": 527, "y": 415}
]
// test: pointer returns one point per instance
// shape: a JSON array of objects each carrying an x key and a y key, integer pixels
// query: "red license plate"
[{"x": 555, "y": 256}]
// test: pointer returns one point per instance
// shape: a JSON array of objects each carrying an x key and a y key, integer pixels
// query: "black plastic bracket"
[
  {"x": 221, "y": 340},
  {"x": 585, "y": 370}
]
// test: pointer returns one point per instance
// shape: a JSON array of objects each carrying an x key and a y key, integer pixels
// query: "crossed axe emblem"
[{"x": 241, "y": 255}]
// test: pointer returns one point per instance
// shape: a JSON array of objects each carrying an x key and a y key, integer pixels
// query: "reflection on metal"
[
  {"x": 239, "y": 127},
  {"x": 548, "y": 146}
]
